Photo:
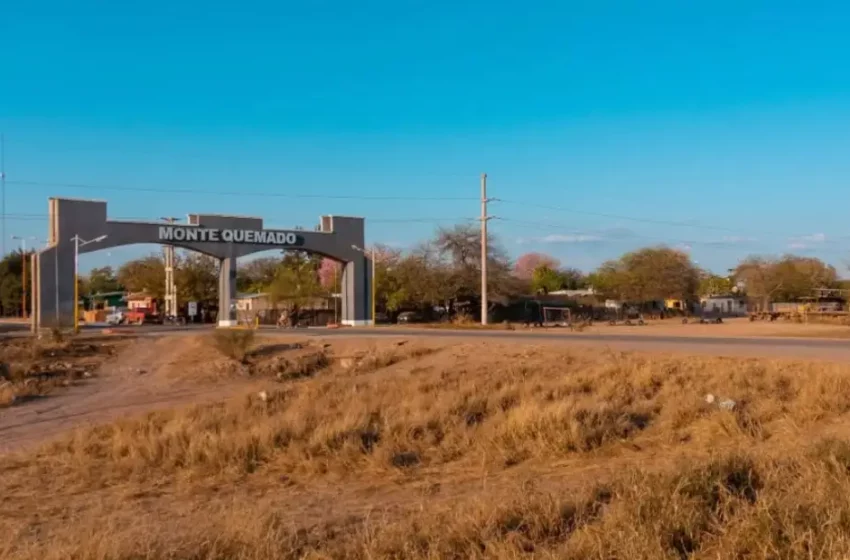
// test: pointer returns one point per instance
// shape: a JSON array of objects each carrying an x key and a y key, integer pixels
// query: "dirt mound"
[{"x": 31, "y": 369}]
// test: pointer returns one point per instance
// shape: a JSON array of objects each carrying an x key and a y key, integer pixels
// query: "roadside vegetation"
[
  {"x": 31, "y": 368},
  {"x": 409, "y": 450}
]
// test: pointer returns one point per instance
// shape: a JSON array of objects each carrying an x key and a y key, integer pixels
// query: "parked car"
[
  {"x": 116, "y": 317},
  {"x": 410, "y": 317}
]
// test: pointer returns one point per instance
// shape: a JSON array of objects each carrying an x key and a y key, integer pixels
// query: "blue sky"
[{"x": 722, "y": 128}]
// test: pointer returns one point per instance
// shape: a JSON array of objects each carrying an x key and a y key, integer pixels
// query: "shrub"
[{"x": 234, "y": 343}]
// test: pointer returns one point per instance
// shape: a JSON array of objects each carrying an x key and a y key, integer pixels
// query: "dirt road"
[{"x": 135, "y": 382}]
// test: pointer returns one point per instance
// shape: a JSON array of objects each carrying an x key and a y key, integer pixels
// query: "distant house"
[
  {"x": 259, "y": 306},
  {"x": 105, "y": 300},
  {"x": 141, "y": 301},
  {"x": 734, "y": 305},
  {"x": 574, "y": 293}
]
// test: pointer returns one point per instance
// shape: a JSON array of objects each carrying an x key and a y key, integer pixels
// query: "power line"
[
  {"x": 44, "y": 217},
  {"x": 40, "y": 184},
  {"x": 587, "y": 236},
  {"x": 638, "y": 219}
]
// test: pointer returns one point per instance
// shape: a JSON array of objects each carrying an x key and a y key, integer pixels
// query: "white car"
[{"x": 116, "y": 317}]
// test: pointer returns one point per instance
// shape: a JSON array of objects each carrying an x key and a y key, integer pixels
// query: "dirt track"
[{"x": 136, "y": 381}]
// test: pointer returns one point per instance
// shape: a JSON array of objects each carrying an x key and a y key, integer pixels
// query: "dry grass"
[
  {"x": 31, "y": 368},
  {"x": 480, "y": 450},
  {"x": 234, "y": 343}
]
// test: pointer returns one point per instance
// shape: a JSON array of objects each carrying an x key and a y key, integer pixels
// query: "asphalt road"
[{"x": 772, "y": 347}]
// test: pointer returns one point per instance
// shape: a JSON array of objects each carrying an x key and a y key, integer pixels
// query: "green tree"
[
  {"x": 100, "y": 281},
  {"x": 196, "y": 278},
  {"x": 573, "y": 279},
  {"x": 254, "y": 275},
  {"x": 11, "y": 294},
  {"x": 545, "y": 279},
  {"x": 11, "y": 283},
  {"x": 714, "y": 285},
  {"x": 787, "y": 278},
  {"x": 296, "y": 282},
  {"x": 649, "y": 274},
  {"x": 146, "y": 274}
]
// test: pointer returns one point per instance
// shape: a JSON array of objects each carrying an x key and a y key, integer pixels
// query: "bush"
[{"x": 234, "y": 343}]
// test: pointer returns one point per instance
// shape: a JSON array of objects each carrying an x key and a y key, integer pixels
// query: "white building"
[{"x": 725, "y": 305}]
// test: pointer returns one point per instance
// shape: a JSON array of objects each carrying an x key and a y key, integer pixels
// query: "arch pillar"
[
  {"x": 357, "y": 292},
  {"x": 227, "y": 292}
]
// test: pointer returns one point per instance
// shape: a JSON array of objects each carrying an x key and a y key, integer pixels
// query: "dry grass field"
[
  {"x": 731, "y": 327},
  {"x": 406, "y": 449}
]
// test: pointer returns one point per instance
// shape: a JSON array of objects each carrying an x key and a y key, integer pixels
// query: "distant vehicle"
[
  {"x": 117, "y": 317},
  {"x": 409, "y": 317},
  {"x": 124, "y": 316},
  {"x": 174, "y": 320}
]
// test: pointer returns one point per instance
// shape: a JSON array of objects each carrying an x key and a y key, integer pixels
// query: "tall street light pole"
[
  {"x": 78, "y": 242},
  {"x": 373, "y": 256}
]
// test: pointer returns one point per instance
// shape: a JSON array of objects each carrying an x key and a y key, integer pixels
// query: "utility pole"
[
  {"x": 3, "y": 190},
  {"x": 170, "y": 286},
  {"x": 24, "y": 255},
  {"x": 484, "y": 219}
]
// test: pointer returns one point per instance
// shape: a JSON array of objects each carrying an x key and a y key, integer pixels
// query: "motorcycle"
[{"x": 174, "y": 320}]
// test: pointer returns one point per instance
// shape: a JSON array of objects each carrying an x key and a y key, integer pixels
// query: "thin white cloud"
[
  {"x": 575, "y": 237},
  {"x": 806, "y": 241},
  {"x": 570, "y": 238}
]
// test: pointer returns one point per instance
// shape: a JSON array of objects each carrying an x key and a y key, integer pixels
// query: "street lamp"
[
  {"x": 78, "y": 242},
  {"x": 23, "y": 241},
  {"x": 373, "y": 257}
]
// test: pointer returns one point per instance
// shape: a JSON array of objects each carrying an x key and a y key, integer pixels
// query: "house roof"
[{"x": 251, "y": 296}]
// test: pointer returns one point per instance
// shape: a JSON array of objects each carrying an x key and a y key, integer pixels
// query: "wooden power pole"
[{"x": 484, "y": 218}]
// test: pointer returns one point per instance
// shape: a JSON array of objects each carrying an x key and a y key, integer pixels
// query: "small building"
[
  {"x": 588, "y": 292},
  {"x": 724, "y": 305},
  {"x": 141, "y": 301},
  {"x": 259, "y": 306},
  {"x": 104, "y": 300}
]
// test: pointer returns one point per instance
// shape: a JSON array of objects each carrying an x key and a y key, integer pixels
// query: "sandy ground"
[{"x": 144, "y": 377}]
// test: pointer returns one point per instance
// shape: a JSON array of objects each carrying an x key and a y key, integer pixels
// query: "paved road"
[{"x": 772, "y": 347}]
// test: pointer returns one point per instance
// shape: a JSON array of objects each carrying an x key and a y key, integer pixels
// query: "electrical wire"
[
  {"x": 641, "y": 220},
  {"x": 599, "y": 235},
  {"x": 40, "y": 184}
]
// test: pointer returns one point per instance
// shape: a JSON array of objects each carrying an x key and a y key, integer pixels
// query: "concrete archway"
[{"x": 223, "y": 237}]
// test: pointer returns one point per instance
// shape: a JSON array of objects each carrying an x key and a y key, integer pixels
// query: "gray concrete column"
[
  {"x": 357, "y": 292},
  {"x": 56, "y": 303},
  {"x": 226, "y": 292}
]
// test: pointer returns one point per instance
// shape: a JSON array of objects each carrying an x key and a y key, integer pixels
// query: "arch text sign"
[{"x": 216, "y": 235}]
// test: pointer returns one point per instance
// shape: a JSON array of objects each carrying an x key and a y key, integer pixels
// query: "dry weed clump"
[
  {"x": 652, "y": 469},
  {"x": 234, "y": 343},
  {"x": 31, "y": 368}
]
